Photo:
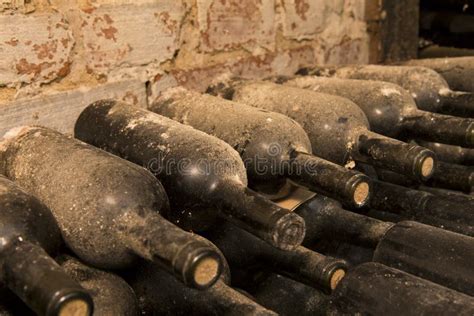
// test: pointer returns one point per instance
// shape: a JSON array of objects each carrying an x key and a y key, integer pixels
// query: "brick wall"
[{"x": 52, "y": 49}]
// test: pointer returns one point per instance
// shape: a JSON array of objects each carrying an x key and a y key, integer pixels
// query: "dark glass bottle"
[
  {"x": 450, "y": 153},
  {"x": 367, "y": 289},
  {"x": 243, "y": 251},
  {"x": 430, "y": 91},
  {"x": 288, "y": 297},
  {"x": 458, "y": 71},
  {"x": 28, "y": 234},
  {"x": 200, "y": 172},
  {"x": 432, "y": 253},
  {"x": 391, "y": 110},
  {"x": 161, "y": 295},
  {"x": 110, "y": 293},
  {"x": 337, "y": 128},
  {"x": 374, "y": 289},
  {"x": 271, "y": 145},
  {"x": 424, "y": 207},
  {"x": 107, "y": 221}
]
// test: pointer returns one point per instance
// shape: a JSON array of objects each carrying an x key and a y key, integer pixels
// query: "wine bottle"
[
  {"x": 106, "y": 221},
  {"x": 199, "y": 172},
  {"x": 288, "y": 297},
  {"x": 458, "y": 71},
  {"x": 391, "y": 110},
  {"x": 337, "y": 128},
  {"x": 423, "y": 207},
  {"x": 449, "y": 194},
  {"x": 243, "y": 250},
  {"x": 110, "y": 293},
  {"x": 452, "y": 176},
  {"x": 28, "y": 234},
  {"x": 432, "y": 253},
  {"x": 161, "y": 295},
  {"x": 395, "y": 293},
  {"x": 436, "y": 51},
  {"x": 272, "y": 145},
  {"x": 430, "y": 91},
  {"x": 450, "y": 153}
]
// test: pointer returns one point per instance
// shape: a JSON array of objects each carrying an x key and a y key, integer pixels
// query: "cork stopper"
[
  {"x": 74, "y": 307},
  {"x": 427, "y": 167},
  {"x": 361, "y": 193},
  {"x": 206, "y": 271},
  {"x": 337, "y": 276}
]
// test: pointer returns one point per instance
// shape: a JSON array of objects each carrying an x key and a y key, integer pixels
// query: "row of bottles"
[{"x": 202, "y": 205}]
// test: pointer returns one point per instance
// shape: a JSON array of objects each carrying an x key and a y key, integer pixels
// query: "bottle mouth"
[
  {"x": 334, "y": 272},
  {"x": 74, "y": 303},
  {"x": 360, "y": 190},
  {"x": 425, "y": 164},
  {"x": 204, "y": 269},
  {"x": 336, "y": 277},
  {"x": 289, "y": 231}
]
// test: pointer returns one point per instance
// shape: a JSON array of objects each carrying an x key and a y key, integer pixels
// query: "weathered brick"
[
  {"x": 284, "y": 63},
  {"x": 229, "y": 24},
  {"x": 34, "y": 48},
  {"x": 130, "y": 34},
  {"x": 61, "y": 110},
  {"x": 304, "y": 19}
]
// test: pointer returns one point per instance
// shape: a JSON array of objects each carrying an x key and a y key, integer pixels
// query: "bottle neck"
[
  {"x": 42, "y": 284},
  {"x": 189, "y": 258},
  {"x": 408, "y": 159},
  {"x": 345, "y": 185},
  {"x": 259, "y": 216}
]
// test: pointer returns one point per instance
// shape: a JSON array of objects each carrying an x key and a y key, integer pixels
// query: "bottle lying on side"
[
  {"x": 430, "y": 91},
  {"x": 449, "y": 194},
  {"x": 436, "y": 51},
  {"x": 110, "y": 293},
  {"x": 203, "y": 176},
  {"x": 337, "y": 128},
  {"x": 458, "y": 71},
  {"x": 272, "y": 145},
  {"x": 393, "y": 291},
  {"x": 106, "y": 221},
  {"x": 244, "y": 251},
  {"x": 162, "y": 295},
  {"x": 432, "y": 253},
  {"x": 391, "y": 110},
  {"x": 449, "y": 153},
  {"x": 424, "y": 207},
  {"x": 29, "y": 234}
]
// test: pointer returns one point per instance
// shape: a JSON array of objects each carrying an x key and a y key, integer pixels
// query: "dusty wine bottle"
[
  {"x": 110, "y": 293},
  {"x": 395, "y": 293},
  {"x": 452, "y": 176},
  {"x": 423, "y": 207},
  {"x": 449, "y": 194},
  {"x": 337, "y": 128},
  {"x": 161, "y": 295},
  {"x": 458, "y": 71},
  {"x": 436, "y": 51},
  {"x": 430, "y": 91},
  {"x": 450, "y": 153},
  {"x": 391, "y": 110},
  {"x": 432, "y": 253},
  {"x": 28, "y": 233},
  {"x": 106, "y": 221},
  {"x": 288, "y": 297},
  {"x": 271, "y": 145},
  {"x": 243, "y": 250},
  {"x": 199, "y": 171}
]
